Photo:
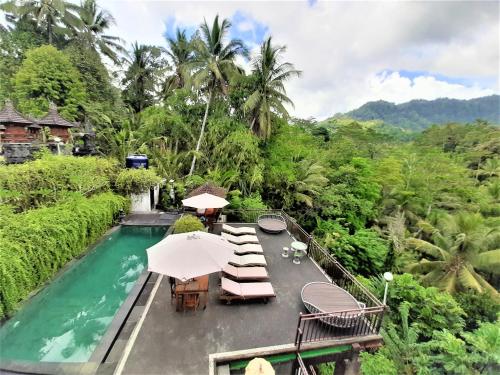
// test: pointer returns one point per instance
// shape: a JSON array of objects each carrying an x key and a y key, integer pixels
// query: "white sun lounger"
[
  {"x": 232, "y": 290},
  {"x": 245, "y": 273},
  {"x": 237, "y": 231},
  {"x": 248, "y": 260},
  {"x": 248, "y": 248},
  {"x": 240, "y": 240}
]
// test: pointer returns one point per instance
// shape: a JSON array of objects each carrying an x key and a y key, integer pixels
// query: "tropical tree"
[
  {"x": 490, "y": 168},
  {"x": 270, "y": 93},
  {"x": 461, "y": 247},
  {"x": 309, "y": 182},
  {"x": 146, "y": 64},
  {"x": 401, "y": 343},
  {"x": 180, "y": 51},
  {"x": 213, "y": 65},
  {"x": 47, "y": 75},
  {"x": 55, "y": 17},
  {"x": 95, "y": 22}
]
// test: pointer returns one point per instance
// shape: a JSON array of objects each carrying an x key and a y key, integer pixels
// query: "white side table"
[{"x": 299, "y": 250}]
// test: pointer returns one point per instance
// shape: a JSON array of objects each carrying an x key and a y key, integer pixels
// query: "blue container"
[{"x": 137, "y": 161}]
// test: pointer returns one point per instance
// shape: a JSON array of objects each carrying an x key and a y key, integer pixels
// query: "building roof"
[
  {"x": 53, "y": 118},
  {"x": 208, "y": 188},
  {"x": 9, "y": 115}
]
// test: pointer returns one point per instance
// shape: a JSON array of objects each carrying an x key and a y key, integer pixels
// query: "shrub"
[
  {"x": 363, "y": 252},
  {"x": 377, "y": 364},
  {"x": 252, "y": 202},
  {"x": 34, "y": 245},
  {"x": 49, "y": 179},
  {"x": 188, "y": 223},
  {"x": 430, "y": 308},
  {"x": 479, "y": 307},
  {"x": 136, "y": 181}
]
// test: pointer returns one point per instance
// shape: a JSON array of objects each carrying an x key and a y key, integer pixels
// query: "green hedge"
[
  {"x": 34, "y": 245},
  {"x": 49, "y": 179},
  {"x": 136, "y": 181}
]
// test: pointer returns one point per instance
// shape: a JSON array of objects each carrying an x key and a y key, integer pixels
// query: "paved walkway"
[{"x": 151, "y": 219}]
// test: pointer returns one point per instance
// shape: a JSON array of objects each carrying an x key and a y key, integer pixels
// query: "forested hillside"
[
  {"x": 420, "y": 114},
  {"x": 426, "y": 208}
]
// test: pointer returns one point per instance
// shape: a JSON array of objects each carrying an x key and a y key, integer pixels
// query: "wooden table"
[{"x": 191, "y": 294}]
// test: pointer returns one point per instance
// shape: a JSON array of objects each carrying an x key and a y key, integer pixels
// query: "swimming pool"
[{"x": 66, "y": 320}]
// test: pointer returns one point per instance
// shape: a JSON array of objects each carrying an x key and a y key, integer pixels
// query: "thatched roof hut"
[{"x": 208, "y": 188}]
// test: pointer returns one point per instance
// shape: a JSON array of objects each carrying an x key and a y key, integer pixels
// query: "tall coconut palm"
[
  {"x": 145, "y": 64},
  {"x": 270, "y": 94},
  {"x": 180, "y": 51},
  {"x": 461, "y": 247},
  {"x": 213, "y": 65},
  {"x": 56, "y": 17},
  {"x": 95, "y": 22}
]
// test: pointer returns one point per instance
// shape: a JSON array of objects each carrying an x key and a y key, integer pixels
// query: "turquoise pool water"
[{"x": 67, "y": 319}]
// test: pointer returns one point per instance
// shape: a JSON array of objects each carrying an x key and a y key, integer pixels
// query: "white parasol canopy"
[
  {"x": 205, "y": 200},
  {"x": 188, "y": 255},
  {"x": 259, "y": 366}
]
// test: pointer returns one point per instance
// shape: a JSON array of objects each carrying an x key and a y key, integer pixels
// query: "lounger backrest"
[
  {"x": 231, "y": 286},
  {"x": 231, "y": 270}
]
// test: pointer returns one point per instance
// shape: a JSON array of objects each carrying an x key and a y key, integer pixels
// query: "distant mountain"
[{"x": 420, "y": 114}]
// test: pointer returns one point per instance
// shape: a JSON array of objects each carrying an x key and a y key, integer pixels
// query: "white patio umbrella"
[
  {"x": 188, "y": 255},
  {"x": 205, "y": 200}
]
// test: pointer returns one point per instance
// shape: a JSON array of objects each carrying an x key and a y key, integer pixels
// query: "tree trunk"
[
  {"x": 191, "y": 170},
  {"x": 49, "y": 31}
]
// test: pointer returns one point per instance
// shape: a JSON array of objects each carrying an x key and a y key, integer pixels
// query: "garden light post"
[
  {"x": 172, "y": 192},
  {"x": 388, "y": 278}
]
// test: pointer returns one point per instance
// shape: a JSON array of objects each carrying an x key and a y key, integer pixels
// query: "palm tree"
[
  {"x": 401, "y": 343},
  {"x": 180, "y": 51},
  {"x": 213, "y": 65},
  {"x": 461, "y": 247},
  {"x": 145, "y": 65},
  {"x": 54, "y": 16},
  {"x": 309, "y": 182},
  {"x": 490, "y": 168},
  {"x": 270, "y": 93},
  {"x": 95, "y": 22}
]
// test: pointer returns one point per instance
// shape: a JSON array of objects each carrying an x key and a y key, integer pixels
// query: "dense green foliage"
[
  {"x": 51, "y": 178},
  {"x": 34, "y": 245},
  {"x": 420, "y": 114},
  {"x": 47, "y": 75},
  {"x": 136, "y": 181},
  {"x": 188, "y": 223}
]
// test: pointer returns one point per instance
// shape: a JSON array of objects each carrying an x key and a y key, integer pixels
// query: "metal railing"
[{"x": 314, "y": 327}]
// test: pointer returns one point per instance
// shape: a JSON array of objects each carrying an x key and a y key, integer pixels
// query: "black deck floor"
[{"x": 171, "y": 342}]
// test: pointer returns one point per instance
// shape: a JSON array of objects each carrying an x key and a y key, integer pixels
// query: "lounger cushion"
[
  {"x": 246, "y": 238},
  {"x": 246, "y": 272},
  {"x": 248, "y": 290},
  {"x": 237, "y": 230},
  {"x": 248, "y": 260},
  {"x": 248, "y": 248}
]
